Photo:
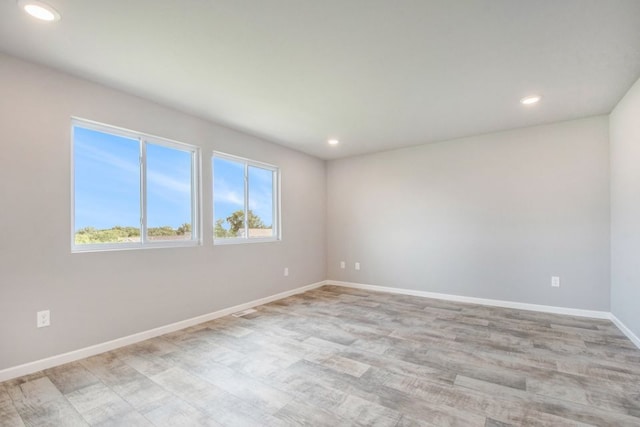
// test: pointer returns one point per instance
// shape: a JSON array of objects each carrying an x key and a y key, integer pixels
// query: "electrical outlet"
[
  {"x": 43, "y": 318},
  {"x": 357, "y": 266},
  {"x": 286, "y": 271},
  {"x": 555, "y": 281},
  {"x": 343, "y": 264}
]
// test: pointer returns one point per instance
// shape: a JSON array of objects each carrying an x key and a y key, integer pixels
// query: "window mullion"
[
  {"x": 275, "y": 201},
  {"x": 246, "y": 200},
  {"x": 143, "y": 191},
  {"x": 195, "y": 193}
]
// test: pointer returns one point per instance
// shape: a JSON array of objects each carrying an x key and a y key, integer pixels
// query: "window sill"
[
  {"x": 240, "y": 241},
  {"x": 136, "y": 246}
]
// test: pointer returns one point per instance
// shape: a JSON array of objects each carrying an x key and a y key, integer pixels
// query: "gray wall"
[
  {"x": 625, "y": 210},
  {"x": 95, "y": 297},
  {"x": 491, "y": 216}
]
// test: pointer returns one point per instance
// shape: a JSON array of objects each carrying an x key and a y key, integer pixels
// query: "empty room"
[{"x": 320, "y": 213}]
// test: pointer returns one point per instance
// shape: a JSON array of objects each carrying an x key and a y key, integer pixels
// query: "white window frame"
[
  {"x": 276, "y": 214},
  {"x": 143, "y": 139}
]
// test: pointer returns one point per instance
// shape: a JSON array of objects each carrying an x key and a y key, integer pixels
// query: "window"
[
  {"x": 245, "y": 200},
  {"x": 132, "y": 190}
]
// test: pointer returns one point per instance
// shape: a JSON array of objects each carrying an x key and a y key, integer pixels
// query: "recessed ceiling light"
[
  {"x": 532, "y": 99},
  {"x": 333, "y": 142},
  {"x": 39, "y": 10}
]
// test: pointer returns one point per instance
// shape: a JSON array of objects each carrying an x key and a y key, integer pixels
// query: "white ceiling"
[{"x": 377, "y": 74}]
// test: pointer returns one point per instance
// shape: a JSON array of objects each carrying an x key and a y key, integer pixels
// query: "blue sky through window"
[
  {"x": 228, "y": 190},
  {"x": 168, "y": 186},
  {"x": 107, "y": 182},
  {"x": 261, "y": 193}
]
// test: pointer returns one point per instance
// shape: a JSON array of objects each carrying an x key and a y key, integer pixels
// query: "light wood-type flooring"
[{"x": 341, "y": 357}]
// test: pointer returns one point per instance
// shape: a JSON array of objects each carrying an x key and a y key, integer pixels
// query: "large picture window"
[
  {"x": 132, "y": 190},
  {"x": 245, "y": 200}
]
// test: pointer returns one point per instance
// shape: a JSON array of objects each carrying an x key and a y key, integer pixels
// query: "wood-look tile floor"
[{"x": 337, "y": 357}]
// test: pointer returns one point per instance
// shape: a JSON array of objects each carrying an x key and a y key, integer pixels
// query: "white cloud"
[
  {"x": 169, "y": 183},
  {"x": 160, "y": 183},
  {"x": 223, "y": 192},
  {"x": 103, "y": 156}
]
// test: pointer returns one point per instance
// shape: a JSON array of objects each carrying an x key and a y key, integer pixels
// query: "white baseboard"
[
  {"x": 481, "y": 301},
  {"x": 61, "y": 359},
  {"x": 633, "y": 337},
  {"x": 50, "y": 362},
  {"x": 498, "y": 303}
]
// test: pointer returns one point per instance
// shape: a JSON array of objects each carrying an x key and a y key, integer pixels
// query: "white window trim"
[
  {"x": 143, "y": 139},
  {"x": 277, "y": 208}
]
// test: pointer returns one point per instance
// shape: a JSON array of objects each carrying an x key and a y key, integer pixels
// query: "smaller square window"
[{"x": 245, "y": 200}]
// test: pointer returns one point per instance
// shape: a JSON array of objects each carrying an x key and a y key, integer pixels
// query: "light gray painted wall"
[
  {"x": 96, "y": 297},
  {"x": 625, "y": 210},
  {"x": 491, "y": 216}
]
